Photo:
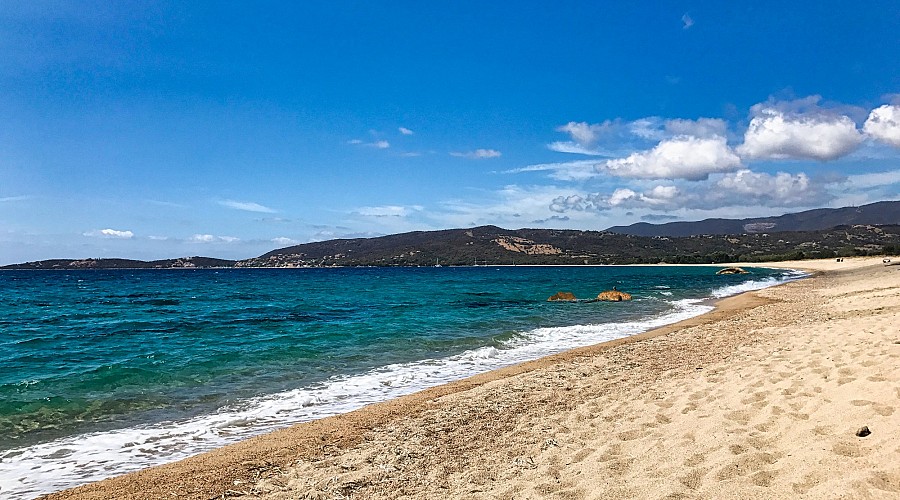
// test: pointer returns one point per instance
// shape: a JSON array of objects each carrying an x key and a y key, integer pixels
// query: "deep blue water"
[{"x": 102, "y": 372}]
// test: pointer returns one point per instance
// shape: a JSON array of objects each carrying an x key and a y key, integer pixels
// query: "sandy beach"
[{"x": 761, "y": 398}]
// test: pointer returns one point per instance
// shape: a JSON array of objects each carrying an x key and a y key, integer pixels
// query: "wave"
[
  {"x": 71, "y": 461},
  {"x": 747, "y": 286}
]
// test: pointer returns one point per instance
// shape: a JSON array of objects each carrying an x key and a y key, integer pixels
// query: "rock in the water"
[
  {"x": 562, "y": 297},
  {"x": 863, "y": 431},
  {"x": 613, "y": 296},
  {"x": 733, "y": 270}
]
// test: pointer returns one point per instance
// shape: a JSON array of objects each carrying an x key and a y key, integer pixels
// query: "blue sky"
[{"x": 156, "y": 130}]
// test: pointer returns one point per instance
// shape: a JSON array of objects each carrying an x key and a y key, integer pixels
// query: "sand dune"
[{"x": 759, "y": 399}]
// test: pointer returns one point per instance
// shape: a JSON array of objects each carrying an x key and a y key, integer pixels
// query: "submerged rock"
[
  {"x": 613, "y": 296},
  {"x": 562, "y": 297},
  {"x": 733, "y": 270}
]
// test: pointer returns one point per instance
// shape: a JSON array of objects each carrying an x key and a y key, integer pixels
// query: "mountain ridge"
[
  {"x": 879, "y": 213},
  {"x": 492, "y": 245}
]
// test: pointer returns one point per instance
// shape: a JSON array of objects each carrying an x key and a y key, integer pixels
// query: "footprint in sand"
[
  {"x": 737, "y": 449},
  {"x": 847, "y": 449},
  {"x": 693, "y": 479},
  {"x": 740, "y": 416},
  {"x": 885, "y": 481},
  {"x": 809, "y": 480},
  {"x": 581, "y": 455},
  {"x": 689, "y": 408},
  {"x": 746, "y": 464},
  {"x": 756, "y": 397},
  {"x": 763, "y": 478}
]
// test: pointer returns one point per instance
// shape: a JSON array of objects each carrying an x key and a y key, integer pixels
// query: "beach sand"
[{"x": 761, "y": 398}]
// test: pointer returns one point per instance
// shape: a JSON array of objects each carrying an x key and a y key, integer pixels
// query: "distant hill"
[
  {"x": 491, "y": 245},
  {"x": 883, "y": 212},
  {"x": 182, "y": 263},
  {"x": 748, "y": 240}
]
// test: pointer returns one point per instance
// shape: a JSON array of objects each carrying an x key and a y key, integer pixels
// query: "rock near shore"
[{"x": 613, "y": 296}]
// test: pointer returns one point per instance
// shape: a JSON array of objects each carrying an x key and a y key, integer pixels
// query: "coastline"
[{"x": 248, "y": 465}]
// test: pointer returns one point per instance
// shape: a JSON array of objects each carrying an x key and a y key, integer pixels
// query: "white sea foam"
[
  {"x": 42, "y": 468},
  {"x": 759, "y": 284}
]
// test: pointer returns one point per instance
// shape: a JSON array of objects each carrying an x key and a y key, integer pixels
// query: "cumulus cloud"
[
  {"x": 247, "y": 206},
  {"x": 883, "y": 124},
  {"x": 110, "y": 233},
  {"x": 585, "y": 134},
  {"x": 798, "y": 130},
  {"x": 584, "y": 137},
  {"x": 478, "y": 154},
  {"x": 682, "y": 157},
  {"x": 701, "y": 127},
  {"x": 663, "y": 197},
  {"x": 209, "y": 238},
  {"x": 781, "y": 190},
  {"x": 405, "y": 131},
  {"x": 743, "y": 188},
  {"x": 617, "y": 137}
]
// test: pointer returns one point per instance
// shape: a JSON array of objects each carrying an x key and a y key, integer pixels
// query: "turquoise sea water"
[{"x": 103, "y": 372}]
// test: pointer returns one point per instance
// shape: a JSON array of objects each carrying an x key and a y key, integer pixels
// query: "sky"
[{"x": 156, "y": 130}]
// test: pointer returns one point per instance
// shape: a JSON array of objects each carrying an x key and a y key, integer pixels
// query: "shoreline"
[{"x": 214, "y": 473}]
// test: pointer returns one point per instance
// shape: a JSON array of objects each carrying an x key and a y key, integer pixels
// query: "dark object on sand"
[
  {"x": 562, "y": 297},
  {"x": 732, "y": 270},
  {"x": 863, "y": 431}
]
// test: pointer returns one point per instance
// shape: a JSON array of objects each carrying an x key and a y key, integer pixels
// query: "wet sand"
[{"x": 761, "y": 398}]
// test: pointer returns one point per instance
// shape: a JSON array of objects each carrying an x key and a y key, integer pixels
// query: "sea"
[{"x": 104, "y": 372}]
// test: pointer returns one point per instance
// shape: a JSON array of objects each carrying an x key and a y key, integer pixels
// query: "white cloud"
[
  {"x": 478, "y": 154},
  {"x": 701, "y": 127},
  {"x": 883, "y": 124},
  {"x": 247, "y": 206},
  {"x": 659, "y": 197},
  {"x": 110, "y": 233},
  {"x": 873, "y": 179},
  {"x": 743, "y": 188},
  {"x": 405, "y": 131},
  {"x": 282, "y": 240},
  {"x": 382, "y": 144},
  {"x": 571, "y": 147},
  {"x": 584, "y": 137},
  {"x": 621, "y": 138},
  {"x": 687, "y": 21},
  {"x": 389, "y": 211},
  {"x": 511, "y": 206},
  {"x": 565, "y": 171},
  {"x": 209, "y": 238},
  {"x": 682, "y": 157},
  {"x": 9, "y": 199},
  {"x": 798, "y": 130},
  {"x": 585, "y": 134},
  {"x": 779, "y": 190}
]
